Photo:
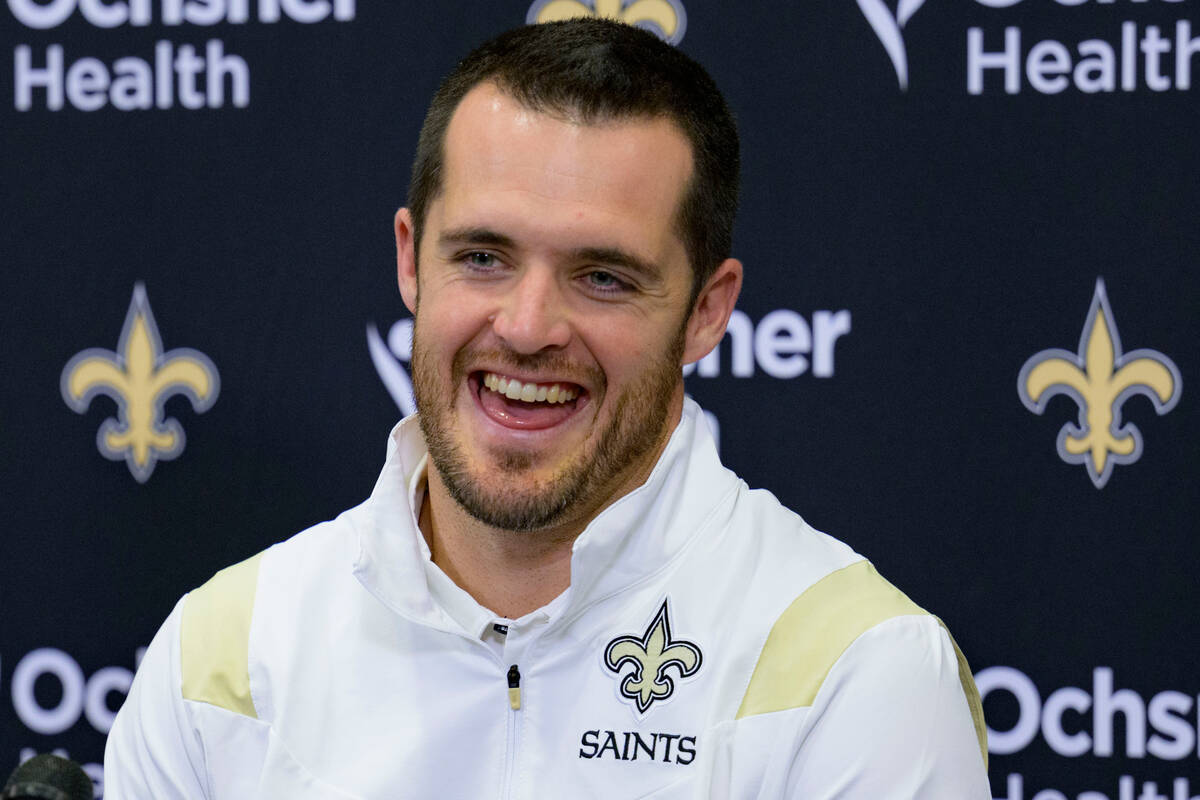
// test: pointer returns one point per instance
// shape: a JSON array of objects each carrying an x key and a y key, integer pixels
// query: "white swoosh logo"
[
  {"x": 887, "y": 28},
  {"x": 395, "y": 377}
]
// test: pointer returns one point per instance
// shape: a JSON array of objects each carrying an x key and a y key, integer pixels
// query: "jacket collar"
[{"x": 629, "y": 542}]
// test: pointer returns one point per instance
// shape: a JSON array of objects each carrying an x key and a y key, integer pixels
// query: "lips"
[{"x": 527, "y": 405}]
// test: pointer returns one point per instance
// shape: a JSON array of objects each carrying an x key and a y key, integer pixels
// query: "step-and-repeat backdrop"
[{"x": 971, "y": 239}]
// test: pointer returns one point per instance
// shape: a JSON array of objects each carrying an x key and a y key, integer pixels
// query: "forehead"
[{"x": 505, "y": 161}]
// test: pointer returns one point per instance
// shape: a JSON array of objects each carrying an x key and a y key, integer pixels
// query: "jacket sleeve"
[
  {"x": 897, "y": 717},
  {"x": 153, "y": 751}
]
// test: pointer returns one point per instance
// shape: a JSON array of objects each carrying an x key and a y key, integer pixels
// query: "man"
[{"x": 555, "y": 589}]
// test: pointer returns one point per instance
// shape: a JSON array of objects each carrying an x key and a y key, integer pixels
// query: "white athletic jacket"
[{"x": 711, "y": 645}]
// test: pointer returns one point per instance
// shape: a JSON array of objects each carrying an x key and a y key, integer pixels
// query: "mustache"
[{"x": 557, "y": 364}]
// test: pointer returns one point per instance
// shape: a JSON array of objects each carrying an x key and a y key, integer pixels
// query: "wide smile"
[{"x": 523, "y": 405}]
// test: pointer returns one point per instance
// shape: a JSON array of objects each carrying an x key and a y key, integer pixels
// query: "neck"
[{"x": 512, "y": 573}]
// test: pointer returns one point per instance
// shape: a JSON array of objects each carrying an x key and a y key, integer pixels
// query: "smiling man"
[
  {"x": 554, "y": 308},
  {"x": 555, "y": 589}
]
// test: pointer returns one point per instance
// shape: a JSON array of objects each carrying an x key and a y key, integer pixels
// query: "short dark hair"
[{"x": 597, "y": 70}]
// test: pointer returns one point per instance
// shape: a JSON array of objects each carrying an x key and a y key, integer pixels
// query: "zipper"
[
  {"x": 513, "y": 739},
  {"x": 514, "y": 688}
]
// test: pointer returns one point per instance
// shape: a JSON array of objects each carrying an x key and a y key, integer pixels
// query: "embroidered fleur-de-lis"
[
  {"x": 651, "y": 655},
  {"x": 664, "y": 17},
  {"x": 140, "y": 378},
  {"x": 1100, "y": 378}
]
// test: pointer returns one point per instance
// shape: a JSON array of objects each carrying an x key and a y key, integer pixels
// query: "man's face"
[{"x": 551, "y": 310}]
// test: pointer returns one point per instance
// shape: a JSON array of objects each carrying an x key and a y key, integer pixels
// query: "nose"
[{"x": 532, "y": 316}]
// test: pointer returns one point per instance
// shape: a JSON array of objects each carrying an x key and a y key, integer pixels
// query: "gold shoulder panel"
[
  {"x": 215, "y": 639},
  {"x": 974, "y": 702},
  {"x": 814, "y": 631}
]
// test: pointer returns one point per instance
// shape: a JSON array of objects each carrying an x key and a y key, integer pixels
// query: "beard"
[{"x": 636, "y": 425}]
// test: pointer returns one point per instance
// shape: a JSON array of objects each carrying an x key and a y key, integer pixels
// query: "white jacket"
[{"x": 711, "y": 645}]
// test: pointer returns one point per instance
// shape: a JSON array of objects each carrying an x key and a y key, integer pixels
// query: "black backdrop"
[{"x": 955, "y": 230}]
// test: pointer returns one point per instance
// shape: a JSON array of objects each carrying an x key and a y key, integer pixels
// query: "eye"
[
  {"x": 481, "y": 260},
  {"x": 605, "y": 282}
]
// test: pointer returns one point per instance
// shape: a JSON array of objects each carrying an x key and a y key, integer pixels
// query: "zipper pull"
[{"x": 514, "y": 688}]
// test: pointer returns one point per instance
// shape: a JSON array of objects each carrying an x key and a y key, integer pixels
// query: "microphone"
[{"x": 48, "y": 777}]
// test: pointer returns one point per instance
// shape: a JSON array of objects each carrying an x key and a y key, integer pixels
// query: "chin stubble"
[{"x": 635, "y": 428}]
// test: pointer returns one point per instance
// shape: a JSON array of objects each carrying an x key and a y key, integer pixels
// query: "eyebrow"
[
  {"x": 619, "y": 258},
  {"x": 486, "y": 236},
  {"x": 610, "y": 256}
]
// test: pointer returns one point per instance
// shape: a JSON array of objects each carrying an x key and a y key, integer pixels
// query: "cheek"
[
  {"x": 435, "y": 340},
  {"x": 450, "y": 321},
  {"x": 625, "y": 352}
]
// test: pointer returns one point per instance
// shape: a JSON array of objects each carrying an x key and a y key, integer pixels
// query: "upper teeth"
[{"x": 514, "y": 389}]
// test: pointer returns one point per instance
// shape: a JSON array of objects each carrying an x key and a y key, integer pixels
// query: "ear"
[
  {"x": 711, "y": 312},
  {"x": 406, "y": 259}
]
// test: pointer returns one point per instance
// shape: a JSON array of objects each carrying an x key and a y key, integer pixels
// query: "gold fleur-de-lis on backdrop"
[
  {"x": 140, "y": 377},
  {"x": 1100, "y": 378},
  {"x": 651, "y": 655},
  {"x": 666, "y": 18}
]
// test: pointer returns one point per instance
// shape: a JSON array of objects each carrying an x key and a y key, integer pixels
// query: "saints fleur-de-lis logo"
[
  {"x": 140, "y": 377},
  {"x": 1099, "y": 378},
  {"x": 665, "y": 18},
  {"x": 651, "y": 656}
]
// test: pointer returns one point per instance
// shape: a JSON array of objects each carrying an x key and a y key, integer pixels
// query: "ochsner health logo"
[{"x": 1122, "y": 56}]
